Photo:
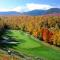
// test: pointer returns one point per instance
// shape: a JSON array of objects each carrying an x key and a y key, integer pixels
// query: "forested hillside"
[{"x": 45, "y": 28}]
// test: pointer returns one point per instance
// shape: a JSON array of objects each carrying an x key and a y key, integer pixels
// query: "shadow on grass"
[
  {"x": 10, "y": 39},
  {"x": 7, "y": 48}
]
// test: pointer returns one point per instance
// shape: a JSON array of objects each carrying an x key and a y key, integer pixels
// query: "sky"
[{"x": 28, "y": 5}]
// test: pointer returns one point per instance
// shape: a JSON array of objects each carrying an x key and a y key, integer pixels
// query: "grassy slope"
[{"x": 33, "y": 48}]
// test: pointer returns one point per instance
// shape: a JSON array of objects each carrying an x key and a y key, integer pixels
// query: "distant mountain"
[
  {"x": 33, "y": 12},
  {"x": 53, "y": 10},
  {"x": 43, "y": 12},
  {"x": 10, "y": 13}
]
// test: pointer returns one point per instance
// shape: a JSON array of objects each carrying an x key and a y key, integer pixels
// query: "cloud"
[
  {"x": 27, "y": 7},
  {"x": 18, "y": 9},
  {"x": 32, "y": 6}
]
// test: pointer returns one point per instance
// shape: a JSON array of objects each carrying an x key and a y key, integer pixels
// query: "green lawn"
[{"x": 31, "y": 47}]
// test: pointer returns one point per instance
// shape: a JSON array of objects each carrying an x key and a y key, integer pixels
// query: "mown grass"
[{"x": 31, "y": 47}]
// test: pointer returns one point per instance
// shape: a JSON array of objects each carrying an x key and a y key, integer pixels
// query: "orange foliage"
[
  {"x": 46, "y": 35},
  {"x": 35, "y": 33}
]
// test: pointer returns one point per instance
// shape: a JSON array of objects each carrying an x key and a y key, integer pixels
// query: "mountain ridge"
[{"x": 33, "y": 12}]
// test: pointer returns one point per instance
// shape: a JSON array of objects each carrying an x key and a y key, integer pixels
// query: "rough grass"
[
  {"x": 31, "y": 47},
  {"x": 5, "y": 56}
]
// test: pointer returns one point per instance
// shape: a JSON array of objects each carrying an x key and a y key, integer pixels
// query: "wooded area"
[{"x": 45, "y": 28}]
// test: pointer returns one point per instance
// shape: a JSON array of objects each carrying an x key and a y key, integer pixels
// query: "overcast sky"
[{"x": 27, "y": 5}]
